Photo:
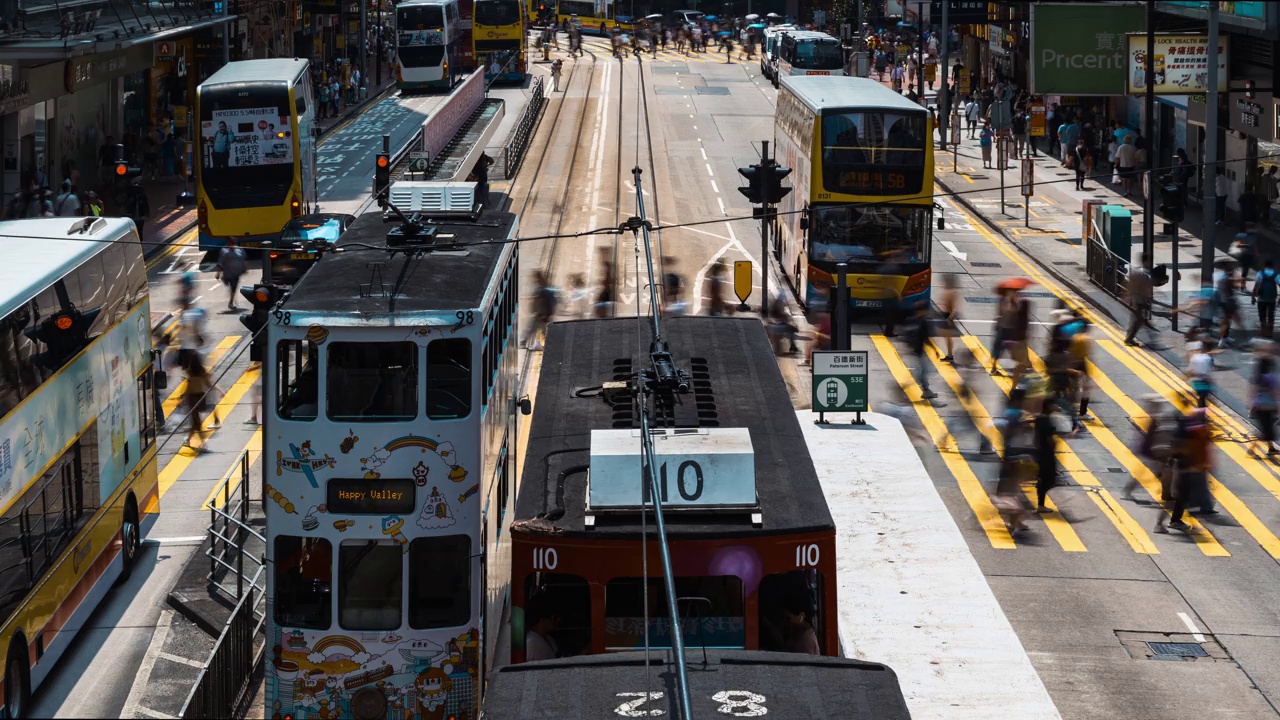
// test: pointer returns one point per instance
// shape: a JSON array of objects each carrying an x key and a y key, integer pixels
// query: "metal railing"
[
  {"x": 229, "y": 531},
  {"x": 223, "y": 687},
  {"x": 1106, "y": 269},
  {"x": 513, "y": 153}
]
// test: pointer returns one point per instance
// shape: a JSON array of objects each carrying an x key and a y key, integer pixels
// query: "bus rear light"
[
  {"x": 295, "y": 207},
  {"x": 202, "y": 216},
  {"x": 399, "y": 72}
]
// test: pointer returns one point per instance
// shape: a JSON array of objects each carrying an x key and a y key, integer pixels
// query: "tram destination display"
[
  {"x": 361, "y": 496},
  {"x": 840, "y": 381}
]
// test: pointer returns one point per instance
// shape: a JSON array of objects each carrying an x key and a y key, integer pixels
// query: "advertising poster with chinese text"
[{"x": 247, "y": 137}]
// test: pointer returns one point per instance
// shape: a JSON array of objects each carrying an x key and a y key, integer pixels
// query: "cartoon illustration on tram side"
[
  {"x": 435, "y": 512},
  {"x": 317, "y": 677},
  {"x": 304, "y": 461},
  {"x": 317, "y": 335}
]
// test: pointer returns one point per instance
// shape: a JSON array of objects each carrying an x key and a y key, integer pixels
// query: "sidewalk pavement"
[{"x": 170, "y": 221}]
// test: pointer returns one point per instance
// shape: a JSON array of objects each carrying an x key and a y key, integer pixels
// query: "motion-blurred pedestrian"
[
  {"x": 1263, "y": 395},
  {"x": 544, "y": 308},
  {"x": 607, "y": 294},
  {"x": 1266, "y": 287}
]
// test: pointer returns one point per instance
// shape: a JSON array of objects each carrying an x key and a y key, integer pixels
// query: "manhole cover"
[
  {"x": 984, "y": 264},
  {"x": 1176, "y": 649},
  {"x": 713, "y": 90}
]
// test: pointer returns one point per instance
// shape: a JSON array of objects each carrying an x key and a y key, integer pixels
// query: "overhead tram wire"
[
  {"x": 662, "y": 376},
  {"x": 617, "y": 193},
  {"x": 653, "y": 172}
]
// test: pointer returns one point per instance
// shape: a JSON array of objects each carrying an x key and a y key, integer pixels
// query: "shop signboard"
[
  {"x": 88, "y": 70},
  {"x": 960, "y": 12},
  {"x": 1252, "y": 9},
  {"x": 1079, "y": 48},
  {"x": 1181, "y": 64}
]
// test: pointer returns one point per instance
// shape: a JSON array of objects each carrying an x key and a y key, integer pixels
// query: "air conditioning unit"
[{"x": 434, "y": 199}]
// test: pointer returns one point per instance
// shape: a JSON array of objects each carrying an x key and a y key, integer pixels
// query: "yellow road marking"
[
  {"x": 232, "y": 476},
  {"x": 1129, "y": 528},
  {"x": 170, "y": 249},
  {"x": 175, "y": 398},
  {"x": 179, "y": 462},
  {"x": 992, "y": 524},
  {"x": 1058, "y": 526}
]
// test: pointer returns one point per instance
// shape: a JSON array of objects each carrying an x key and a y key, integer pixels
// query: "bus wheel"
[
  {"x": 130, "y": 538},
  {"x": 17, "y": 686}
]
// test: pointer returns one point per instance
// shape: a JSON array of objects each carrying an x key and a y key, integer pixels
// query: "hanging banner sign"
[{"x": 1181, "y": 64}]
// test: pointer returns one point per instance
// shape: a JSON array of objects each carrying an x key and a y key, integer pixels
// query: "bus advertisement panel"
[
  {"x": 499, "y": 31},
  {"x": 246, "y": 137}
]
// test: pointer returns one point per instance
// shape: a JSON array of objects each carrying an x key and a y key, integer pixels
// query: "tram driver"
[{"x": 541, "y": 620}]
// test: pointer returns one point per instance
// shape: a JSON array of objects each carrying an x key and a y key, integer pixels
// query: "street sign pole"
[
  {"x": 1028, "y": 189},
  {"x": 955, "y": 142},
  {"x": 1001, "y": 162},
  {"x": 766, "y": 163}
]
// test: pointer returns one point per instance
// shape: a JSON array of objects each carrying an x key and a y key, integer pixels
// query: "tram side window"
[
  {"x": 558, "y": 608},
  {"x": 439, "y": 582},
  {"x": 713, "y": 607},
  {"x": 297, "y": 380},
  {"x": 373, "y": 381},
  {"x": 15, "y": 578},
  {"x": 369, "y": 585},
  {"x": 449, "y": 379},
  {"x": 304, "y": 574},
  {"x": 791, "y": 612}
]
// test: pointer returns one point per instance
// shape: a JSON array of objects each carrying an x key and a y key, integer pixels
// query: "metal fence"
[
  {"x": 1106, "y": 269},
  {"x": 224, "y": 685},
  {"x": 513, "y": 153},
  {"x": 223, "y": 688}
]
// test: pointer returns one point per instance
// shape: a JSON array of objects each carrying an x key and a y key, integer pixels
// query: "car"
[
  {"x": 686, "y": 17},
  {"x": 303, "y": 240}
]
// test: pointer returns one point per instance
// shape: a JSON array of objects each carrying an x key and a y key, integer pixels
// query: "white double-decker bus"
[
  {"x": 390, "y": 417},
  {"x": 429, "y": 44}
]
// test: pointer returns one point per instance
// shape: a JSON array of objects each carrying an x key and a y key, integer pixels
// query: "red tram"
[{"x": 752, "y": 540}]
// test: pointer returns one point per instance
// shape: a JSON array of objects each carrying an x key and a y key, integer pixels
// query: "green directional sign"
[
  {"x": 840, "y": 381},
  {"x": 419, "y": 161}
]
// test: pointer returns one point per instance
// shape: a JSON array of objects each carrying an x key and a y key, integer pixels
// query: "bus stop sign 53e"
[{"x": 840, "y": 381}]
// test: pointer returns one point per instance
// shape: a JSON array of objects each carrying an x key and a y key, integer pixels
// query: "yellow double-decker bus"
[
  {"x": 498, "y": 32},
  {"x": 78, "y": 482},
  {"x": 600, "y": 17},
  {"x": 862, "y": 194},
  {"x": 256, "y": 149}
]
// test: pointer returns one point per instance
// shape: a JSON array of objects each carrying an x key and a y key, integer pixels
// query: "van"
[{"x": 686, "y": 17}]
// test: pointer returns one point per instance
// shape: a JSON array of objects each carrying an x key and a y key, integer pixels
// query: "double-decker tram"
[
  {"x": 256, "y": 150},
  {"x": 78, "y": 484},
  {"x": 498, "y": 31},
  {"x": 429, "y": 39},
  {"x": 862, "y": 185},
  {"x": 752, "y": 542},
  {"x": 390, "y": 422},
  {"x": 600, "y": 18}
]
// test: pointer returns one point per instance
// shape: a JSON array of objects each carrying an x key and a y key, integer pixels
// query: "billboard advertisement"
[
  {"x": 247, "y": 137},
  {"x": 1079, "y": 49},
  {"x": 1181, "y": 64}
]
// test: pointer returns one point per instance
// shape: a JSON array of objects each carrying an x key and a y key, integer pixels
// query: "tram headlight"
[{"x": 369, "y": 704}]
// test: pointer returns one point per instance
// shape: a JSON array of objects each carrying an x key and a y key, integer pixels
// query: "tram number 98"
[
  {"x": 807, "y": 555},
  {"x": 545, "y": 558},
  {"x": 734, "y": 703}
]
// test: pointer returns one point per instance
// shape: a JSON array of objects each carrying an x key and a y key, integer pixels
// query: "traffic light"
[
  {"x": 754, "y": 191},
  {"x": 64, "y": 334},
  {"x": 381, "y": 175},
  {"x": 262, "y": 298},
  {"x": 125, "y": 172},
  {"x": 774, "y": 191}
]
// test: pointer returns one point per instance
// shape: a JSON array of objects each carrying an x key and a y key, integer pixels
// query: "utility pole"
[
  {"x": 364, "y": 46},
  {"x": 944, "y": 107},
  {"x": 1210, "y": 166},
  {"x": 766, "y": 164},
  {"x": 920, "y": 55},
  {"x": 1148, "y": 131}
]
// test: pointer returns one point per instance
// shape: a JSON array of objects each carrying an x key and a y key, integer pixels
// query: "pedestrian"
[
  {"x": 198, "y": 397},
  {"x": 1221, "y": 191},
  {"x": 232, "y": 264},
  {"x": 545, "y": 301},
  {"x": 1190, "y": 485},
  {"x": 949, "y": 309},
  {"x": 93, "y": 206},
  {"x": 556, "y": 68},
  {"x": 1270, "y": 193},
  {"x": 917, "y": 342},
  {"x": 607, "y": 295},
  {"x": 1018, "y": 124},
  {"x": 1183, "y": 171},
  {"x": 1126, "y": 163},
  {"x": 1140, "y": 290},
  {"x": 1048, "y": 425},
  {"x": 1079, "y": 161},
  {"x": 896, "y": 77},
  {"x": 1200, "y": 369},
  {"x": 68, "y": 203},
  {"x": 1224, "y": 283},
  {"x": 1265, "y": 290},
  {"x": 1263, "y": 401},
  {"x": 1010, "y": 501},
  {"x": 1153, "y": 446},
  {"x": 1244, "y": 250},
  {"x": 972, "y": 112},
  {"x": 715, "y": 288},
  {"x": 1081, "y": 347},
  {"x": 984, "y": 140}
]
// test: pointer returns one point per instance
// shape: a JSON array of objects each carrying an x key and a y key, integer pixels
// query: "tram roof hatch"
[{"x": 698, "y": 468}]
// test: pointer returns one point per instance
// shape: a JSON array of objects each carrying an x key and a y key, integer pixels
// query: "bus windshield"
[
  {"x": 246, "y": 144},
  {"x": 844, "y": 233},
  {"x": 420, "y": 25},
  {"x": 873, "y": 152},
  {"x": 818, "y": 55},
  {"x": 496, "y": 12}
]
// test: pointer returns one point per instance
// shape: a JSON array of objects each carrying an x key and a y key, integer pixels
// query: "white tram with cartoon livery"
[{"x": 390, "y": 416}]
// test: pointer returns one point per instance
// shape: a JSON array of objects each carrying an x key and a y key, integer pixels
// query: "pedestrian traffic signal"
[
  {"x": 381, "y": 176},
  {"x": 754, "y": 191},
  {"x": 124, "y": 172},
  {"x": 262, "y": 298},
  {"x": 64, "y": 334}
]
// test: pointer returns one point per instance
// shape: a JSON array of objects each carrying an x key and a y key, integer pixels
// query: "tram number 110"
[
  {"x": 689, "y": 482},
  {"x": 807, "y": 555}
]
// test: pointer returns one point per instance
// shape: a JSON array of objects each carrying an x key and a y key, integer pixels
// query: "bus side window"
[
  {"x": 369, "y": 585},
  {"x": 297, "y": 381},
  {"x": 304, "y": 576},
  {"x": 300, "y": 104},
  {"x": 439, "y": 582},
  {"x": 449, "y": 379}
]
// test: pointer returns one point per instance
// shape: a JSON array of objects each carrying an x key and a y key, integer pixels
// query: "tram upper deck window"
[
  {"x": 373, "y": 381},
  {"x": 369, "y": 577},
  {"x": 449, "y": 379},
  {"x": 297, "y": 381},
  {"x": 439, "y": 582},
  {"x": 304, "y": 573}
]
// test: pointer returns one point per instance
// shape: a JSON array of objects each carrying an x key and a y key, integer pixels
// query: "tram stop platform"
[{"x": 911, "y": 594}]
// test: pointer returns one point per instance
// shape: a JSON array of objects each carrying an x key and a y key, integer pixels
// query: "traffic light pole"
[
  {"x": 1173, "y": 269},
  {"x": 767, "y": 163}
]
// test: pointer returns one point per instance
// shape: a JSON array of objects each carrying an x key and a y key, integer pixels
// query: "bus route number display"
[
  {"x": 840, "y": 381},
  {"x": 362, "y": 496},
  {"x": 856, "y": 180}
]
